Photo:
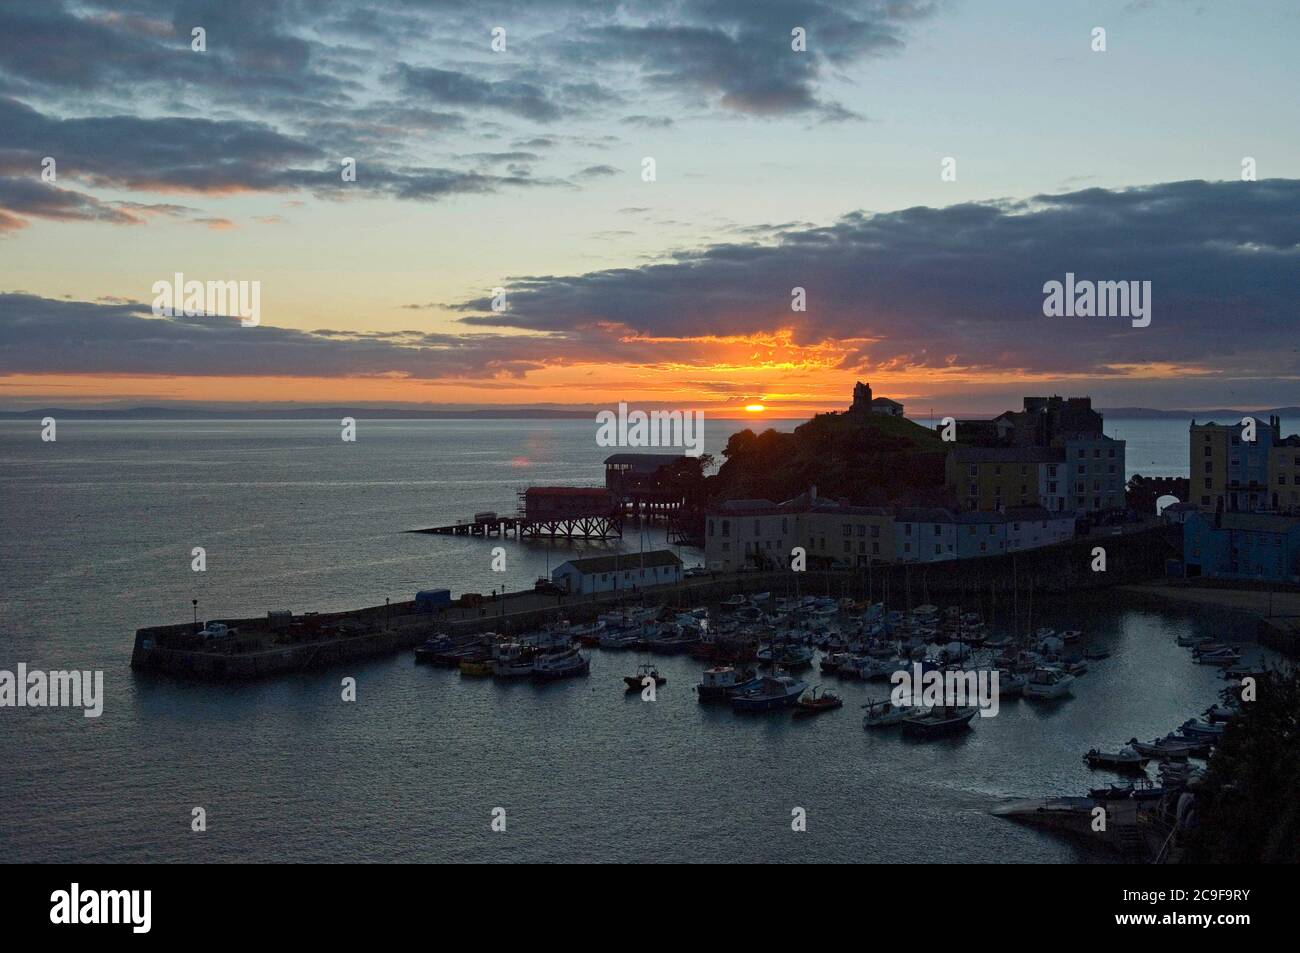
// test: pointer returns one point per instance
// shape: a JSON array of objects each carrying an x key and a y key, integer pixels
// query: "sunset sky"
[{"x": 522, "y": 169}]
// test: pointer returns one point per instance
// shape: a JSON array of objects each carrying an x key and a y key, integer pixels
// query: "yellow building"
[
  {"x": 1284, "y": 475},
  {"x": 1229, "y": 472},
  {"x": 994, "y": 478}
]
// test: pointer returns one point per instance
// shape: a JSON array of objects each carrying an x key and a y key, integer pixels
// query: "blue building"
[{"x": 1242, "y": 546}]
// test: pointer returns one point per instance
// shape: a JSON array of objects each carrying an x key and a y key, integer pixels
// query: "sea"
[{"x": 99, "y": 532}]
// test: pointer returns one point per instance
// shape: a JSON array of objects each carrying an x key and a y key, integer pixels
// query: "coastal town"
[{"x": 858, "y": 592}]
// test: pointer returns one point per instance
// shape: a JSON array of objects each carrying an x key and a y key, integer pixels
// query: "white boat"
[
  {"x": 720, "y": 683},
  {"x": 214, "y": 630},
  {"x": 871, "y": 669},
  {"x": 1189, "y": 641},
  {"x": 560, "y": 665},
  {"x": 620, "y": 638},
  {"x": 1045, "y": 633},
  {"x": 1125, "y": 759},
  {"x": 1048, "y": 683},
  {"x": 787, "y": 655},
  {"x": 1071, "y": 635},
  {"x": 886, "y": 714},
  {"x": 512, "y": 660}
]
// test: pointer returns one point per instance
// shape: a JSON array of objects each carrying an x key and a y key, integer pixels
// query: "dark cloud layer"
[
  {"x": 938, "y": 287},
  {"x": 921, "y": 288}
]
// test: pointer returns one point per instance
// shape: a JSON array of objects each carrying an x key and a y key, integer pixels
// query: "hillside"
[{"x": 869, "y": 459}]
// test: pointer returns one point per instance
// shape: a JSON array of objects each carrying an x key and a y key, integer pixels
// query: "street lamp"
[{"x": 195, "y": 602}]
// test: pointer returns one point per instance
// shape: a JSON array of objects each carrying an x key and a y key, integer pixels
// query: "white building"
[
  {"x": 624, "y": 572},
  {"x": 924, "y": 535},
  {"x": 1029, "y": 527}
]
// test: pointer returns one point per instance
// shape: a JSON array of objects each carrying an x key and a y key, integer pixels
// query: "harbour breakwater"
[{"x": 259, "y": 647}]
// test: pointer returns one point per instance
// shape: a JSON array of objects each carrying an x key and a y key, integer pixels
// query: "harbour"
[{"x": 303, "y": 535}]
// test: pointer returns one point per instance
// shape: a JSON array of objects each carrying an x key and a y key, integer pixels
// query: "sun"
[{"x": 755, "y": 408}]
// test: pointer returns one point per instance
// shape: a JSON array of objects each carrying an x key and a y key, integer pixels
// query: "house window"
[{"x": 726, "y": 527}]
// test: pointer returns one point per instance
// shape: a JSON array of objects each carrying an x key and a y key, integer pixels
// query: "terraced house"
[
  {"x": 761, "y": 534},
  {"x": 1230, "y": 473}
]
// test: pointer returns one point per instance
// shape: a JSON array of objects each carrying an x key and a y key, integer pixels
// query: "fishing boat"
[
  {"x": 886, "y": 714},
  {"x": 1075, "y": 666},
  {"x": 937, "y": 722},
  {"x": 643, "y": 671},
  {"x": 560, "y": 665},
  {"x": 1048, "y": 683},
  {"x": 1188, "y": 641},
  {"x": 814, "y": 704},
  {"x": 719, "y": 683},
  {"x": 773, "y": 692},
  {"x": 1071, "y": 635},
  {"x": 512, "y": 660},
  {"x": 1096, "y": 655},
  {"x": 1125, "y": 759},
  {"x": 734, "y": 602},
  {"x": 1045, "y": 633}
]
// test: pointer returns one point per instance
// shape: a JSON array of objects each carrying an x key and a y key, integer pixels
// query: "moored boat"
[
  {"x": 643, "y": 672},
  {"x": 720, "y": 682},
  {"x": 937, "y": 722},
  {"x": 1125, "y": 759},
  {"x": 772, "y": 693},
  {"x": 1048, "y": 683},
  {"x": 512, "y": 660},
  {"x": 886, "y": 714},
  {"x": 559, "y": 665},
  {"x": 814, "y": 704}
]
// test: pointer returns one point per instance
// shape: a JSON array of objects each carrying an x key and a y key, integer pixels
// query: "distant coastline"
[{"x": 513, "y": 413}]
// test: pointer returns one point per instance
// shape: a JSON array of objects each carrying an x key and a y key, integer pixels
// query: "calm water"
[{"x": 98, "y": 529}]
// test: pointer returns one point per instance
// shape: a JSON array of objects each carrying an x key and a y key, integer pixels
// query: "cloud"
[
  {"x": 452, "y": 88},
  {"x": 49, "y": 336},
  {"x": 961, "y": 287},
  {"x": 21, "y": 199}
]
